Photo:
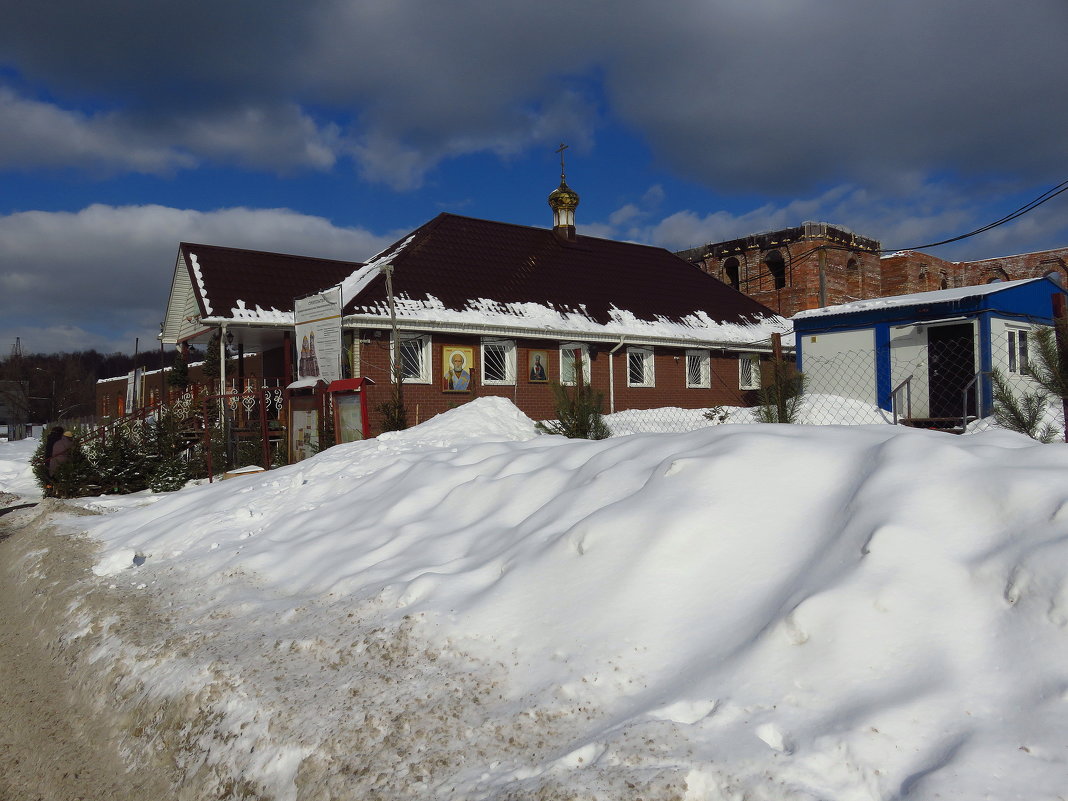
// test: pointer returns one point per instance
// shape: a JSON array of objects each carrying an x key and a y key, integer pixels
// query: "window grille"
[
  {"x": 640, "y": 367},
  {"x": 498, "y": 362},
  {"x": 635, "y": 368},
  {"x": 698, "y": 369},
  {"x": 414, "y": 361},
  {"x": 749, "y": 371}
]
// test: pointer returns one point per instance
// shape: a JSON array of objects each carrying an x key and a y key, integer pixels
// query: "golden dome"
[{"x": 563, "y": 197}]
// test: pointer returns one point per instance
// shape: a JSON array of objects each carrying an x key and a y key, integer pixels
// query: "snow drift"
[{"x": 467, "y": 609}]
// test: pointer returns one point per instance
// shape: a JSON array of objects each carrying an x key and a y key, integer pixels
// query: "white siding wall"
[{"x": 841, "y": 363}]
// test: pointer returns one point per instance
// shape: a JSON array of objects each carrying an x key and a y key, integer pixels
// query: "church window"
[
  {"x": 730, "y": 272},
  {"x": 777, "y": 268}
]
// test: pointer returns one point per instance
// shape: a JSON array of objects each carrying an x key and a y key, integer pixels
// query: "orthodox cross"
[{"x": 561, "y": 150}]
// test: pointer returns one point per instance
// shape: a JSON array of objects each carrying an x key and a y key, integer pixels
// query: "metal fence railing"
[{"x": 923, "y": 381}]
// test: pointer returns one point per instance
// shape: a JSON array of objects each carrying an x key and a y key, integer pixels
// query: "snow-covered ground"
[
  {"x": 468, "y": 609},
  {"x": 16, "y": 477}
]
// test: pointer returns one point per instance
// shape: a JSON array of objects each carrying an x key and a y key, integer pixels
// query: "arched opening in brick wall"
[
  {"x": 1057, "y": 277},
  {"x": 777, "y": 268},
  {"x": 853, "y": 279},
  {"x": 730, "y": 272},
  {"x": 995, "y": 276}
]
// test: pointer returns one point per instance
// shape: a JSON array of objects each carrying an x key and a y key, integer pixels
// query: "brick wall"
[
  {"x": 849, "y": 273},
  {"x": 423, "y": 401},
  {"x": 853, "y": 269}
]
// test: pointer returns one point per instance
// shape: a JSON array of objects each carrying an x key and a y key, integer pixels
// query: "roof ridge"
[{"x": 252, "y": 251}]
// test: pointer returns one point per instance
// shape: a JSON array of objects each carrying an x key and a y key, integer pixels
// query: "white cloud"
[
  {"x": 107, "y": 270},
  {"x": 756, "y": 96},
  {"x": 926, "y": 213},
  {"x": 37, "y": 134}
]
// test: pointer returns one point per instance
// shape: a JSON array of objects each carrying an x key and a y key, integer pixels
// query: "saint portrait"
[
  {"x": 538, "y": 367},
  {"x": 457, "y": 363}
]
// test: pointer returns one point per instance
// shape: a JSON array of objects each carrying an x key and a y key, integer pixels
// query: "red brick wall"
[
  {"x": 423, "y": 401},
  {"x": 862, "y": 275},
  {"x": 848, "y": 274}
]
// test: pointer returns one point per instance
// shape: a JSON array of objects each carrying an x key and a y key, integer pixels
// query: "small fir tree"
[
  {"x": 1049, "y": 368},
  {"x": 781, "y": 398},
  {"x": 179, "y": 375},
  {"x": 212, "y": 366},
  {"x": 579, "y": 413},
  {"x": 394, "y": 415},
  {"x": 1023, "y": 412}
]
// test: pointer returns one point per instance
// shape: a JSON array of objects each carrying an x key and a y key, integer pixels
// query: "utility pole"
[
  {"x": 823, "y": 275},
  {"x": 398, "y": 369}
]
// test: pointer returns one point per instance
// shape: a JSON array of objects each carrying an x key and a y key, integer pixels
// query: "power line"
[{"x": 1048, "y": 195}]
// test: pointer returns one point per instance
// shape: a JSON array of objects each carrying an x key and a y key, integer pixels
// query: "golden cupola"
[{"x": 563, "y": 201}]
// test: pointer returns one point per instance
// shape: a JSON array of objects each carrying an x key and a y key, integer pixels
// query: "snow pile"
[
  {"x": 16, "y": 475},
  {"x": 467, "y": 609},
  {"x": 815, "y": 409}
]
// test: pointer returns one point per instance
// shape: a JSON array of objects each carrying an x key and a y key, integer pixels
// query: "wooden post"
[
  {"x": 207, "y": 440},
  {"x": 263, "y": 429}
]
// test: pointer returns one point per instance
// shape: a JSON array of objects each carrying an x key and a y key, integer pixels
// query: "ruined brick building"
[{"x": 817, "y": 264}]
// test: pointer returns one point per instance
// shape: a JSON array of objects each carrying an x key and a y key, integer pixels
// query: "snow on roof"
[
  {"x": 915, "y": 299},
  {"x": 537, "y": 316},
  {"x": 242, "y": 312},
  {"x": 200, "y": 282},
  {"x": 355, "y": 283}
]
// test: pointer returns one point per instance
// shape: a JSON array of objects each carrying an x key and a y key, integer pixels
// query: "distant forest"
[{"x": 62, "y": 386}]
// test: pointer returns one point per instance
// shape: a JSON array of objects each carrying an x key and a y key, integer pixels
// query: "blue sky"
[{"x": 332, "y": 127}]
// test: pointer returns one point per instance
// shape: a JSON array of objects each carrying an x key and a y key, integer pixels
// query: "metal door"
[{"x": 950, "y": 366}]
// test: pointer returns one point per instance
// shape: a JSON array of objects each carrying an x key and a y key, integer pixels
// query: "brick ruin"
[{"x": 817, "y": 264}]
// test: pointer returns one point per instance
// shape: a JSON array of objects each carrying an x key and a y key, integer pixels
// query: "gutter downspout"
[{"x": 612, "y": 376}]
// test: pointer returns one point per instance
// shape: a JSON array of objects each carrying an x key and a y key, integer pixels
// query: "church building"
[{"x": 463, "y": 307}]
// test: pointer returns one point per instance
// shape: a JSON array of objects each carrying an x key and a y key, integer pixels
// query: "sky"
[
  {"x": 331, "y": 128},
  {"x": 515, "y": 615}
]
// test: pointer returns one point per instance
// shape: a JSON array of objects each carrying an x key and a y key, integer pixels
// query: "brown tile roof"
[
  {"x": 457, "y": 259},
  {"x": 268, "y": 280}
]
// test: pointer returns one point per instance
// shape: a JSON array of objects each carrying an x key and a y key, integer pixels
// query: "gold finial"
[{"x": 561, "y": 150}]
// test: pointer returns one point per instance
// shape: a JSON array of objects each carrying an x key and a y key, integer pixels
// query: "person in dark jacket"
[
  {"x": 54, "y": 436},
  {"x": 60, "y": 453}
]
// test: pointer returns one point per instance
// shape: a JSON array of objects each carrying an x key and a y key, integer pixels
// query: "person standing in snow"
[
  {"x": 60, "y": 451},
  {"x": 54, "y": 436}
]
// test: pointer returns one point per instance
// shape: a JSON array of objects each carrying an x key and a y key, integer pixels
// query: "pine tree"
[
  {"x": 1025, "y": 411},
  {"x": 212, "y": 367},
  {"x": 579, "y": 413},
  {"x": 1022, "y": 412},
  {"x": 394, "y": 415},
  {"x": 179, "y": 375},
  {"x": 781, "y": 398}
]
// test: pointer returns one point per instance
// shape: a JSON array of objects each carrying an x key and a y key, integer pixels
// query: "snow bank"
[
  {"x": 467, "y": 609},
  {"x": 16, "y": 475}
]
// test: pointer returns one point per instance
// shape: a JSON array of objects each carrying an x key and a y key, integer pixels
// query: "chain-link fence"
[{"x": 936, "y": 377}]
